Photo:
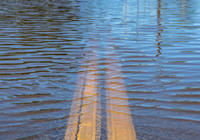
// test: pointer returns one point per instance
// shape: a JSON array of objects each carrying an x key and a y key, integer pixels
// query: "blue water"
[{"x": 44, "y": 44}]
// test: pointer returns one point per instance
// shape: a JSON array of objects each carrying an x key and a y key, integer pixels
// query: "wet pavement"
[{"x": 119, "y": 69}]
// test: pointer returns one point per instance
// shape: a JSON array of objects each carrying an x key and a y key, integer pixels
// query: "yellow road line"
[
  {"x": 71, "y": 130},
  {"x": 87, "y": 128},
  {"x": 119, "y": 123},
  {"x": 82, "y": 121},
  {"x": 84, "y": 124}
]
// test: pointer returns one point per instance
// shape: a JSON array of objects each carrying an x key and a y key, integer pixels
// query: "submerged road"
[
  {"x": 85, "y": 121},
  {"x": 99, "y": 70}
]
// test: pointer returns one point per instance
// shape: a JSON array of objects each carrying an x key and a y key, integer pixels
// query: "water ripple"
[{"x": 48, "y": 47}]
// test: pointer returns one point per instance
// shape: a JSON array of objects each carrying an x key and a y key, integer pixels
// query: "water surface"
[{"x": 45, "y": 46}]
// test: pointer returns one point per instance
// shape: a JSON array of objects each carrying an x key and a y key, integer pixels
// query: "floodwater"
[{"x": 139, "y": 57}]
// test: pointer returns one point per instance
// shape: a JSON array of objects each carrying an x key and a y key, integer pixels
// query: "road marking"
[
  {"x": 71, "y": 130},
  {"x": 82, "y": 123},
  {"x": 119, "y": 123},
  {"x": 83, "y": 118},
  {"x": 87, "y": 128}
]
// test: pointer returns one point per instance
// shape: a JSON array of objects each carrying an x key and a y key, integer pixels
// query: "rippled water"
[{"x": 46, "y": 45}]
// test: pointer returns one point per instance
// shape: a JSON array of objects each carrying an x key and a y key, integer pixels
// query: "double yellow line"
[{"x": 82, "y": 123}]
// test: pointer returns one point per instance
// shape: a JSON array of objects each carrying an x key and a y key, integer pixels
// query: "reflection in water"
[
  {"x": 183, "y": 7},
  {"x": 141, "y": 58},
  {"x": 159, "y": 41},
  {"x": 159, "y": 37}
]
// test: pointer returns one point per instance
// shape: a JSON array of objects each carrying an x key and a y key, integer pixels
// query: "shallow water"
[{"x": 46, "y": 46}]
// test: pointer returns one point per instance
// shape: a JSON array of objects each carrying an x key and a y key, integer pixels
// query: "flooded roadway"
[{"x": 123, "y": 69}]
